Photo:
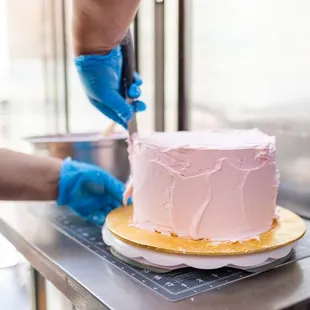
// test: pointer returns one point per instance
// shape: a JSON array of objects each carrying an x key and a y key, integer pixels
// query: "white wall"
[
  {"x": 4, "y": 55},
  {"x": 252, "y": 54}
]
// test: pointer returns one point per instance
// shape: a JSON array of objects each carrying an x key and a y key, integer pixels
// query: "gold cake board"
[{"x": 287, "y": 229}]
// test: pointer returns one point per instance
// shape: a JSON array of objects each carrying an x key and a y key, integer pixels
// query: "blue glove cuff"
[
  {"x": 65, "y": 184},
  {"x": 93, "y": 60}
]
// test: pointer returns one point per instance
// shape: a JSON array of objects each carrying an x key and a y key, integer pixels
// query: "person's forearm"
[
  {"x": 28, "y": 177},
  {"x": 99, "y": 25}
]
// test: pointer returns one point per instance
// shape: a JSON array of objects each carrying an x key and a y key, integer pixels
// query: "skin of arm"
[
  {"x": 99, "y": 25},
  {"x": 28, "y": 177}
]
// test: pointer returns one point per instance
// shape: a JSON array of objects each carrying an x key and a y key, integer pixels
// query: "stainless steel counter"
[{"x": 91, "y": 283}]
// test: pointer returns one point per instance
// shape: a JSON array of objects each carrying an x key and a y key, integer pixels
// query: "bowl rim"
[{"x": 75, "y": 138}]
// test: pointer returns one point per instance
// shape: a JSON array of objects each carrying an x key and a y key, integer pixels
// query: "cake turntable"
[{"x": 161, "y": 253}]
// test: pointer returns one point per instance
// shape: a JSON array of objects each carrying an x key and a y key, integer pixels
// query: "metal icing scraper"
[{"x": 127, "y": 76}]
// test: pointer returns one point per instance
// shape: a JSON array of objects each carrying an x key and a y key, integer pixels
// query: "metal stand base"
[{"x": 38, "y": 290}]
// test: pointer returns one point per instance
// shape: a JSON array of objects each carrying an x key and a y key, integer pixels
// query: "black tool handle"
[
  {"x": 127, "y": 76},
  {"x": 128, "y": 62}
]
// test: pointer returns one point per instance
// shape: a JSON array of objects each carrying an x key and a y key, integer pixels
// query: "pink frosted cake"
[{"x": 219, "y": 185}]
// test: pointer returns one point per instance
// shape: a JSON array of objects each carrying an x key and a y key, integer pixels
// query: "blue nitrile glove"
[
  {"x": 101, "y": 78},
  {"x": 88, "y": 190}
]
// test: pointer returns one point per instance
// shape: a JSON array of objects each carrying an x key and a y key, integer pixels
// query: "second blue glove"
[
  {"x": 101, "y": 78},
  {"x": 88, "y": 190}
]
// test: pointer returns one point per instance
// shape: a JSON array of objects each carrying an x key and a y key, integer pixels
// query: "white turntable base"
[{"x": 176, "y": 261}]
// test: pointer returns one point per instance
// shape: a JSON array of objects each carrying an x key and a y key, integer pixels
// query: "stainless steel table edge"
[
  {"x": 51, "y": 271},
  {"x": 92, "y": 283}
]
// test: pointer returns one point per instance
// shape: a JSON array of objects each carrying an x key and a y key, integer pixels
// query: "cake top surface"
[{"x": 219, "y": 139}]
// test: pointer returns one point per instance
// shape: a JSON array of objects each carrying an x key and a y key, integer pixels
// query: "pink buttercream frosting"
[{"x": 219, "y": 185}]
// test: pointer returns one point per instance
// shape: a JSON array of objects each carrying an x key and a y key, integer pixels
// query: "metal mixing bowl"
[{"x": 110, "y": 152}]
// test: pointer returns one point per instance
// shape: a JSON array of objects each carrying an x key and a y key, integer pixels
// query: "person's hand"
[
  {"x": 101, "y": 78},
  {"x": 88, "y": 190}
]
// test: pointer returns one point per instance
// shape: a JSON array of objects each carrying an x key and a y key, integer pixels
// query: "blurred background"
[
  {"x": 205, "y": 64},
  {"x": 229, "y": 63}
]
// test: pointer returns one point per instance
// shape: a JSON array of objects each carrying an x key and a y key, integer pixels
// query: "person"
[{"x": 98, "y": 27}]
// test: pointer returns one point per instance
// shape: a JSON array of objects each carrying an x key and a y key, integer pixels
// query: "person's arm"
[
  {"x": 87, "y": 189},
  {"x": 99, "y": 25},
  {"x": 28, "y": 177}
]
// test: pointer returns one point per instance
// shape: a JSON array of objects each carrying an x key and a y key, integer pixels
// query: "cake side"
[{"x": 204, "y": 187}]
